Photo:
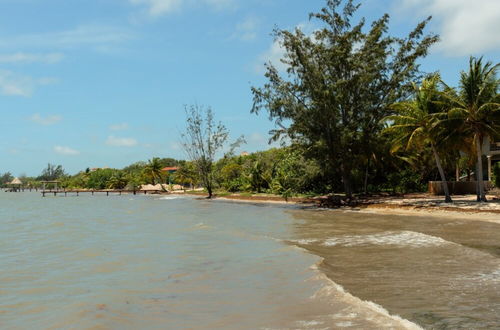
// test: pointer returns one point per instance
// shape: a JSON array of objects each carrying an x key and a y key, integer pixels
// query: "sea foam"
[{"x": 404, "y": 238}]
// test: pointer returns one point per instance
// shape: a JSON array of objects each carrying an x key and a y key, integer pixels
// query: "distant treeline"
[{"x": 284, "y": 171}]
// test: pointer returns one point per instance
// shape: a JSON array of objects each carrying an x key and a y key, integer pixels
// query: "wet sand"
[
  {"x": 438, "y": 272},
  {"x": 423, "y": 205}
]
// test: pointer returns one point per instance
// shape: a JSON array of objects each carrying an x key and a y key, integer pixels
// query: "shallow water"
[
  {"x": 438, "y": 273},
  {"x": 157, "y": 262}
]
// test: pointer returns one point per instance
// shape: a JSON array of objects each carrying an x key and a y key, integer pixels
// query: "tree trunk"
[
  {"x": 208, "y": 185},
  {"x": 478, "y": 195},
  {"x": 447, "y": 198},
  {"x": 480, "y": 180},
  {"x": 346, "y": 179},
  {"x": 366, "y": 177}
]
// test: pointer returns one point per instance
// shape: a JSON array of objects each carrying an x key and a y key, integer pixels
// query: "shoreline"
[{"x": 464, "y": 207}]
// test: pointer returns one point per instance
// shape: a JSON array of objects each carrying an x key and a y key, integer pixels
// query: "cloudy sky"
[{"x": 103, "y": 83}]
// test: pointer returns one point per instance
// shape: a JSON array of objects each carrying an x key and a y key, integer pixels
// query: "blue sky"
[{"x": 103, "y": 83}]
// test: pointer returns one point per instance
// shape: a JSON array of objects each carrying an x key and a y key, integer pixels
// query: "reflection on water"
[
  {"x": 160, "y": 262},
  {"x": 441, "y": 274}
]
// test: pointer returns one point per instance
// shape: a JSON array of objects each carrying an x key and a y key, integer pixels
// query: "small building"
[
  {"x": 15, "y": 185},
  {"x": 170, "y": 169}
]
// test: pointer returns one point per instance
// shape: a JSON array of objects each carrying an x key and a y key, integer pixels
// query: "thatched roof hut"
[{"x": 16, "y": 182}]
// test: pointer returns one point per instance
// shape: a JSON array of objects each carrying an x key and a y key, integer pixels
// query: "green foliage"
[
  {"x": 203, "y": 140},
  {"x": 153, "y": 171},
  {"x": 338, "y": 85},
  {"x": 405, "y": 181},
  {"x": 133, "y": 181},
  {"x": 118, "y": 180},
  {"x": 186, "y": 175},
  {"x": 5, "y": 178},
  {"x": 231, "y": 176},
  {"x": 76, "y": 181},
  {"x": 293, "y": 174},
  {"x": 417, "y": 124},
  {"x": 51, "y": 173},
  {"x": 474, "y": 113},
  {"x": 496, "y": 174},
  {"x": 99, "y": 179}
]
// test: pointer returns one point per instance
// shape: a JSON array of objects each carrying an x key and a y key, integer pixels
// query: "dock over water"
[{"x": 107, "y": 192}]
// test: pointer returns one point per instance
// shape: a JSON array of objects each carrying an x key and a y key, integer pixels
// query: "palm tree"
[
  {"x": 153, "y": 169},
  {"x": 118, "y": 180},
  {"x": 416, "y": 123},
  {"x": 475, "y": 110}
]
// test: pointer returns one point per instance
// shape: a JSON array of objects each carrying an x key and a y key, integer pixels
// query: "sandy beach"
[{"x": 463, "y": 207}]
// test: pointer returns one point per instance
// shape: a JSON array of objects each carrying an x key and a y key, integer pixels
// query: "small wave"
[
  {"x": 167, "y": 198},
  {"x": 372, "y": 311},
  {"x": 405, "y": 238},
  {"x": 305, "y": 241},
  {"x": 346, "y": 324},
  {"x": 493, "y": 276},
  {"x": 308, "y": 324},
  {"x": 201, "y": 225}
]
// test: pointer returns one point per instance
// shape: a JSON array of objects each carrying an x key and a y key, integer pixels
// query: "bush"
[
  {"x": 405, "y": 181},
  {"x": 496, "y": 175},
  {"x": 99, "y": 179}
]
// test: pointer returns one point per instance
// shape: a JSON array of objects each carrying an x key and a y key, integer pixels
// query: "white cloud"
[
  {"x": 466, "y": 27},
  {"x": 119, "y": 127},
  {"x": 156, "y": 8},
  {"x": 84, "y": 35},
  {"x": 67, "y": 151},
  {"x": 247, "y": 29},
  {"x": 48, "y": 120},
  {"x": 49, "y": 58},
  {"x": 15, "y": 84},
  {"x": 258, "y": 138},
  {"x": 121, "y": 142}
]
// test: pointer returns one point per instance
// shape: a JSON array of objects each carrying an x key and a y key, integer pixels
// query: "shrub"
[{"x": 496, "y": 175}]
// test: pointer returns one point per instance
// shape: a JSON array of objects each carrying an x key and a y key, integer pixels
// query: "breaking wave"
[{"x": 403, "y": 239}]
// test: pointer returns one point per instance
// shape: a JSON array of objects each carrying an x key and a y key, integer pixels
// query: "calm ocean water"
[{"x": 153, "y": 262}]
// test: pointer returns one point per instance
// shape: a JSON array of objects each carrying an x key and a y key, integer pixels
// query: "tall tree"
[
  {"x": 416, "y": 124},
  {"x": 5, "y": 178},
  {"x": 475, "y": 110},
  {"x": 52, "y": 172},
  {"x": 203, "y": 140},
  {"x": 338, "y": 84}
]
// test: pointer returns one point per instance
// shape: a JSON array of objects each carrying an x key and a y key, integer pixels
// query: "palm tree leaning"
[
  {"x": 475, "y": 110},
  {"x": 153, "y": 170},
  {"x": 416, "y": 123}
]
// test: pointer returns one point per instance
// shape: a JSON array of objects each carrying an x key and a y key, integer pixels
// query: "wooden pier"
[{"x": 77, "y": 192}]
